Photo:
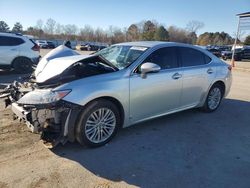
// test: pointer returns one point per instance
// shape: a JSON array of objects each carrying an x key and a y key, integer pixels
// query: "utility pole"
[{"x": 235, "y": 42}]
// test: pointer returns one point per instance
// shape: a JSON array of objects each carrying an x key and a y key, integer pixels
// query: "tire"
[
  {"x": 22, "y": 65},
  {"x": 92, "y": 133},
  {"x": 214, "y": 98}
]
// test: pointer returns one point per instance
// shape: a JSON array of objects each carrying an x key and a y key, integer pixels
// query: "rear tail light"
[{"x": 36, "y": 48}]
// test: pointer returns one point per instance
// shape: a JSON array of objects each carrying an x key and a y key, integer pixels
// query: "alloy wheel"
[
  {"x": 214, "y": 98},
  {"x": 100, "y": 125}
]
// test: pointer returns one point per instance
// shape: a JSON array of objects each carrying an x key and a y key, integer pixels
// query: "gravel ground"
[{"x": 186, "y": 149}]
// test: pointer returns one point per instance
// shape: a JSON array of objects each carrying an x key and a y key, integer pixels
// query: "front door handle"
[
  {"x": 210, "y": 71},
  {"x": 176, "y": 76}
]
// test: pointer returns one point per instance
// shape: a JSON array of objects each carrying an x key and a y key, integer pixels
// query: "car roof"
[
  {"x": 151, "y": 44},
  {"x": 9, "y": 34},
  {"x": 143, "y": 43}
]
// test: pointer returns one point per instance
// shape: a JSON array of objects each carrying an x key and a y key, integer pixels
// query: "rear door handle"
[
  {"x": 210, "y": 71},
  {"x": 176, "y": 76}
]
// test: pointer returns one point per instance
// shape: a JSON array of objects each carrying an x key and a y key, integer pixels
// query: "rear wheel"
[
  {"x": 98, "y": 124},
  {"x": 214, "y": 97},
  {"x": 22, "y": 65}
]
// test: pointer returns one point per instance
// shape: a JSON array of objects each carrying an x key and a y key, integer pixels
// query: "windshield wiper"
[{"x": 108, "y": 63}]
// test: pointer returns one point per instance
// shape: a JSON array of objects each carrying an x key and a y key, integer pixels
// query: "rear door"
[
  {"x": 159, "y": 92},
  {"x": 9, "y": 49},
  {"x": 197, "y": 75}
]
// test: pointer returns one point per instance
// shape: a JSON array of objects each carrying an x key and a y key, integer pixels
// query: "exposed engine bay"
[{"x": 33, "y": 100}]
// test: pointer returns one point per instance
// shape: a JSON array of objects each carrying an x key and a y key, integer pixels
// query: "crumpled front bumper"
[
  {"x": 22, "y": 114},
  {"x": 55, "y": 123}
]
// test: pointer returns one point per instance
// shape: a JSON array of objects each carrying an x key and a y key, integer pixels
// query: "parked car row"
[
  {"x": 225, "y": 52},
  {"x": 90, "y": 47},
  {"x": 240, "y": 53}
]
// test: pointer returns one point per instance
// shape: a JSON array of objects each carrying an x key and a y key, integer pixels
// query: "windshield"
[{"x": 122, "y": 56}]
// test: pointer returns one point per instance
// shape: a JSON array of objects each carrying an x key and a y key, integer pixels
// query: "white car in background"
[
  {"x": 18, "y": 52},
  {"x": 42, "y": 43}
]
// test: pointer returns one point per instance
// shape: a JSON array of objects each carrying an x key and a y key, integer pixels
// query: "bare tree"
[
  {"x": 50, "y": 26},
  {"x": 194, "y": 26},
  {"x": 59, "y": 28},
  {"x": 39, "y": 24},
  {"x": 87, "y": 33},
  {"x": 178, "y": 35},
  {"x": 70, "y": 29}
]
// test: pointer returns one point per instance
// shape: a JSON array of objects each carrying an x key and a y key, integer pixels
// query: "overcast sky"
[{"x": 217, "y": 15}]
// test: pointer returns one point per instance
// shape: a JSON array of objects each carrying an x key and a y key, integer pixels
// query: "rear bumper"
[{"x": 228, "y": 83}]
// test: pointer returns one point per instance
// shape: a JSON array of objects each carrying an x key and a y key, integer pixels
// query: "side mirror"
[{"x": 149, "y": 68}]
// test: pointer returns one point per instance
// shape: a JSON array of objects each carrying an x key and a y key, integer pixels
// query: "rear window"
[
  {"x": 193, "y": 57},
  {"x": 10, "y": 41}
]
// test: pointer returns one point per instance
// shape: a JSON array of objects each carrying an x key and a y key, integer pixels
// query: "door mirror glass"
[{"x": 149, "y": 68}]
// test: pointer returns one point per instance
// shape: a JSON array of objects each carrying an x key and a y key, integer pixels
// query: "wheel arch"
[
  {"x": 75, "y": 119},
  {"x": 204, "y": 96},
  {"x": 17, "y": 57},
  {"x": 115, "y": 101},
  {"x": 222, "y": 84}
]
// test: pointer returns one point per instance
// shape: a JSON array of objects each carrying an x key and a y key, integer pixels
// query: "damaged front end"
[
  {"x": 43, "y": 111},
  {"x": 37, "y": 101}
]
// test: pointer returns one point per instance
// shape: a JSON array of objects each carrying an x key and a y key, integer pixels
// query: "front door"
[{"x": 159, "y": 92}]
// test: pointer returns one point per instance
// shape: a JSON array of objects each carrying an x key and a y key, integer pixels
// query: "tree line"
[{"x": 145, "y": 30}]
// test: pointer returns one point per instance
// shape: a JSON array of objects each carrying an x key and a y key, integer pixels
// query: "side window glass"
[
  {"x": 207, "y": 59},
  {"x": 10, "y": 41},
  {"x": 191, "y": 57},
  {"x": 2, "y": 41},
  {"x": 165, "y": 57}
]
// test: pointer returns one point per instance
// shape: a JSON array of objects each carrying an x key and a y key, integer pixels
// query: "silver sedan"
[{"x": 88, "y": 98}]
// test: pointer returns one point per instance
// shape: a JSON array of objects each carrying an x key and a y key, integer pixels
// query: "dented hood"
[
  {"x": 57, "y": 66},
  {"x": 55, "y": 62}
]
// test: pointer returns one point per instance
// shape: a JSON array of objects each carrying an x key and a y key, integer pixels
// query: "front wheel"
[
  {"x": 214, "y": 97},
  {"x": 98, "y": 123}
]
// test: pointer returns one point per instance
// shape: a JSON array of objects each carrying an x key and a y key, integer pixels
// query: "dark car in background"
[
  {"x": 90, "y": 47},
  {"x": 50, "y": 45},
  {"x": 217, "y": 50},
  {"x": 214, "y": 51},
  {"x": 82, "y": 47}
]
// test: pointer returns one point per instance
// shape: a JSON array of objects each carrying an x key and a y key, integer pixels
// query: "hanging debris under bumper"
[{"x": 53, "y": 121}]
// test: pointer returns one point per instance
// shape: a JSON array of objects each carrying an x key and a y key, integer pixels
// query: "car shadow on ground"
[{"x": 186, "y": 149}]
